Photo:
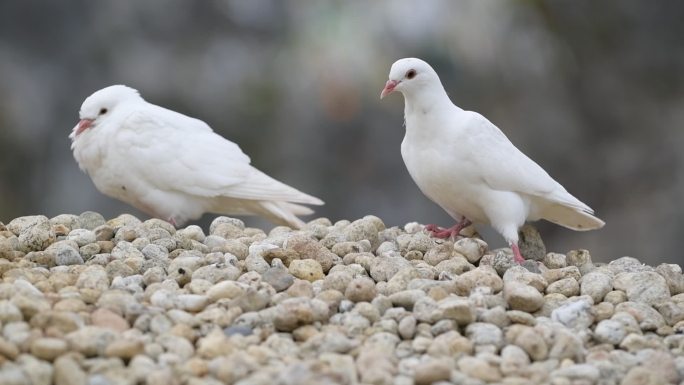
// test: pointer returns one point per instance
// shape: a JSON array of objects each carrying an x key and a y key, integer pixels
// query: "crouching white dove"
[
  {"x": 172, "y": 166},
  {"x": 466, "y": 165}
]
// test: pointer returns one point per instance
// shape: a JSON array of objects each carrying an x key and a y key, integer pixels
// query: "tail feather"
[
  {"x": 572, "y": 217},
  {"x": 284, "y": 213}
]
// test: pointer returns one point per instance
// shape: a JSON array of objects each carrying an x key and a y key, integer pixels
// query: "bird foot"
[
  {"x": 172, "y": 221},
  {"x": 516, "y": 254},
  {"x": 453, "y": 231}
]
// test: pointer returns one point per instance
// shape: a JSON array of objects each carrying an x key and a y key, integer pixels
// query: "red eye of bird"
[{"x": 411, "y": 74}]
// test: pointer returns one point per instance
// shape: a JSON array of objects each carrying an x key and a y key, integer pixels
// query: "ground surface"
[{"x": 89, "y": 301}]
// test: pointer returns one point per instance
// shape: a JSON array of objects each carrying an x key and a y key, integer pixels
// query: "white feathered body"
[
  {"x": 172, "y": 166},
  {"x": 465, "y": 164}
]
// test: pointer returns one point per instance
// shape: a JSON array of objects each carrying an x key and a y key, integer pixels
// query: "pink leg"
[
  {"x": 172, "y": 221},
  {"x": 516, "y": 254},
  {"x": 441, "y": 232}
]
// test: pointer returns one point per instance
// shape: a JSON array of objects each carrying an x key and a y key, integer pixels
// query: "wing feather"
[
  {"x": 184, "y": 154},
  {"x": 504, "y": 167}
]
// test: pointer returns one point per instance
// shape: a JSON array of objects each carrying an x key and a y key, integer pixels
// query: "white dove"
[
  {"x": 465, "y": 164},
  {"x": 172, "y": 166}
]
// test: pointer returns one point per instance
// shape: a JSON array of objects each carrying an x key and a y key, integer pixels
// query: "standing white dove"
[
  {"x": 172, "y": 166},
  {"x": 465, "y": 164}
]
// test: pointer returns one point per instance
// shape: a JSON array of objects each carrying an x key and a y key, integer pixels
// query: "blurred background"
[{"x": 593, "y": 91}]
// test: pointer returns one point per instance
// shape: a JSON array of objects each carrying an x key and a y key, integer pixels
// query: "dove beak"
[
  {"x": 83, "y": 125},
  {"x": 389, "y": 88}
]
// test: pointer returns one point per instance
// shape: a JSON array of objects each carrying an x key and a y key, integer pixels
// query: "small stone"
[
  {"x": 645, "y": 286},
  {"x": 555, "y": 261},
  {"x": 484, "y": 334},
  {"x": 48, "y": 348},
  {"x": 471, "y": 248},
  {"x": 384, "y": 268},
  {"x": 522, "y": 297},
  {"x": 481, "y": 276},
  {"x": 192, "y": 302},
  {"x": 580, "y": 258},
  {"x": 68, "y": 372},
  {"x": 65, "y": 253},
  {"x": 337, "y": 280},
  {"x": 90, "y": 220},
  {"x": 531, "y": 244},
  {"x": 8, "y": 349},
  {"x": 82, "y": 237},
  {"x": 279, "y": 278},
  {"x": 521, "y": 317},
  {"x": 361, "y": 289},
  {"x": 575, "y": 314},
  {"x": 567, "y": 286},
  {"x": 309, "y": 248},
  {"x": 34, "y": 233},
  {"x": 596, "y": 285},
  {"x": 609, "y": 331},
  {"x": 615, "y": 297},
  {"x": 496, "y": 316},
  {"x": 513, "y": 360},
  {"x": 432, "y": 371},
  {"x": 530, "y": 340},
  {"x": 673, "y": 276},
  {"x": 480, "y": 369},
  {"x": 295, "y": 312},
  {"x": 125, "y": 349},
  {"x": 586, "y": 372},
  {"x": 301, "y": 288},
  {"x": 460, "y": 310},
  {"x": 407, "y": 298},
  {"x": 554, "y": 275},
  {"x": 106, "y": 318},
  {"x": 672, "y": 312},
  {"x": 407, "y": 327},
  {"x": 90, "y": 340},
  {"x": 307, "y": 269},
  {"x": 640, "y": 375},
  {"x": 647, "y": 317}
]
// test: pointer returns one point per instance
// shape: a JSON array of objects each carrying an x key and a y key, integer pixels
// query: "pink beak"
[
  {"x": 389, "y": 88},
  {"x": 83, "y": 125}
]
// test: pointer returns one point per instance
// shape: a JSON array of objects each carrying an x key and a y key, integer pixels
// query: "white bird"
[
  {"x": 172, "y": 166},
  {"x": 465, "y": 164}
]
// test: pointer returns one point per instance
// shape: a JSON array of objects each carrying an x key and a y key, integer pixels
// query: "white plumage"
[
  {"x": 172, "y": 166},
  {"x": 465, "y": 164}
]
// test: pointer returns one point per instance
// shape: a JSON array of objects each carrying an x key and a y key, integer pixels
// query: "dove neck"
[{"x": 426, "y": 100}]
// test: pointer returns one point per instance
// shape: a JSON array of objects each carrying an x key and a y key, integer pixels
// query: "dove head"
[
  {"x": 102, "y": 104},
  {"x": 410, "y": 76}
]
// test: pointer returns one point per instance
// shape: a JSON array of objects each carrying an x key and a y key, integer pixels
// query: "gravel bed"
[{"x": 84, "y": 300}]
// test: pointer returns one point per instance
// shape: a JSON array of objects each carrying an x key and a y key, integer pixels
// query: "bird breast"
[{"x": 444, "y": 177}]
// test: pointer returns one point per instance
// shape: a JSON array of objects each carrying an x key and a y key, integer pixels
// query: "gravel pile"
[{"x": 89, "y": 301}]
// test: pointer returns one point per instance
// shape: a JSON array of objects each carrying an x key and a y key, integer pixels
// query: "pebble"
[
  {"x": 645, "y": 286},
  {"x": 596, "y": 285},
  {"x": 89, "y": 301},
  {"x": 307, "y": 269},
  {"x": 522, "y": 297},
  {"x": 360, "y": 289},
  {"x": 432, "y": 371}
]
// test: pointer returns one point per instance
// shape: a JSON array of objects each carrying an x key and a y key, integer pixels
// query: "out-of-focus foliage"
[{"x": 593, "y": 91}]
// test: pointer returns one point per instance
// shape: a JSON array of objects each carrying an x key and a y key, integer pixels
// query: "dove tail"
[
  {"x": 284, "y": 213},
  {"x": 571, "y": 217}
]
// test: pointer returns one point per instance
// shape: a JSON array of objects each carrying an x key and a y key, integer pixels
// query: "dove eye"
[
  {"x": 411, "y": 74},
  {"x": 103, "y": 111}
]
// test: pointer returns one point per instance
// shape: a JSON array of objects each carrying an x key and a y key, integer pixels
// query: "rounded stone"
[
  {"x": 361, "y": 289},
  {"x": 48, "y": 348},
  {"x": 307, "y": 269}
]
